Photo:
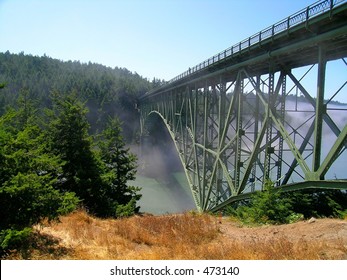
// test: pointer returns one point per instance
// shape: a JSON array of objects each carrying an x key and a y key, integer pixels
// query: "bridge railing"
[{"x": 299, "y": 17}]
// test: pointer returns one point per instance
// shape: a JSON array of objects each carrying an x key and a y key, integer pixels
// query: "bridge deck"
[{"x": 295, "y": 46}]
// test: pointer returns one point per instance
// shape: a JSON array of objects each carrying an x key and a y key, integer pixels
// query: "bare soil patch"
[{"x": 330, "y": 235}]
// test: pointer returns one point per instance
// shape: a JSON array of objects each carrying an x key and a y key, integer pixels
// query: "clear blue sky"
[{"x": 155, "y": 38}]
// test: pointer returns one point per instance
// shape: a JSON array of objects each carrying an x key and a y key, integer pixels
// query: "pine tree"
[
  {"x": 71, "y": 141},
  {"x": 120, "y": 168},
  {"x": 28, "y": 174},
  {"x": 265, "y": 207},
  {"x": 98, "y": 175}
]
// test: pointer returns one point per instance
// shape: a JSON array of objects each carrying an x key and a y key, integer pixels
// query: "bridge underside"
[{"x": 255, "y": 116}]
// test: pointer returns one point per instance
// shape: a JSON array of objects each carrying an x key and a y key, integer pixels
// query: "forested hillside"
[
  {"x": 107, "y": 91},
  {"x": 61, "y": 142}
]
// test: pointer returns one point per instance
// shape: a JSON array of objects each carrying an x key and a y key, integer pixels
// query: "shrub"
[
  {"x": 265, "y": 207},
  {"x": 11, "y": 238},
  {"x": 271, "y": 206}
]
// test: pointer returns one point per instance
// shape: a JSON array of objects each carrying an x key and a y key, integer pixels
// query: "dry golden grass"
[{"x": 183, "y": 236}]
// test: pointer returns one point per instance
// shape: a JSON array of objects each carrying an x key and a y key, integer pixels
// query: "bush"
[
  {"x": 323, "y": 203},
  {"x": 265, "y": 207},
  {"x": 126, "y": 210},
  {"x": 271, "y": 206},
  {"x": 11, "y": 238}
]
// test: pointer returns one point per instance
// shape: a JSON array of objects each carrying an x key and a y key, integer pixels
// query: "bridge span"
[{"x": 246, "y": 115}]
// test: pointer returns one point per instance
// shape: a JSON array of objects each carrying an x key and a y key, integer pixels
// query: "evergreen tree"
[
  {"x": 72, "y": 143},
  {"x": 97, "y": 173},
  {"x": 27, "y": 180},
  {"x": 120, "y": 168},
  {"x": 265, "y": 207},
  {"x": 108, "y": 91}
]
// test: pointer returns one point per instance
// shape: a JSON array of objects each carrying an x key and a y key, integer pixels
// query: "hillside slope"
[
  {"x": 106, "y": 91},
  {"x": 184, "y": 236}
]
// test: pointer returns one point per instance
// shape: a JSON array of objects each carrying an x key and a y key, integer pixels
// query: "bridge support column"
[
  {"x": 256, "y": 129},
  {"x": 238, "y": 160},
  {"x": 320, "y": 110},
  {"x": 282, "y": 110},
  {"x": 269, "y": 149}
]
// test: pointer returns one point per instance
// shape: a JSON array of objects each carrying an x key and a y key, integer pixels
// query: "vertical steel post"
[
  {"x": 268, "y": 150},
  {"x": 320, "y": 110},
  {"x": 221, "y": 124},
  {"x": 197, "y": 172},
  {"x": 256, "y": 130},
  {"x": 204, "y": 156},
  {"x": 282, "y": 116},
  {"x": 240, "y": 132}
]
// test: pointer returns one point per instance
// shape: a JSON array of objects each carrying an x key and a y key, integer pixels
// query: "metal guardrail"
[{"x": 303, "y": 15}]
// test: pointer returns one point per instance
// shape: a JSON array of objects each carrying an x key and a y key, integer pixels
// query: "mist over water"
[
  {"x": 305, "y": 116},
  {"x": 161, "y": 176}
]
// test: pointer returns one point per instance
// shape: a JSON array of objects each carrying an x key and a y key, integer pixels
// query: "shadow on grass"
[{"x": 40, "y": 246}]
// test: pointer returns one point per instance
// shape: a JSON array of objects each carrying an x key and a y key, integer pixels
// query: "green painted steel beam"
[
  {"x": 333, "y": 153},
  {"x": 313, "y": 185},
  {"x": 320, "y": 111}
]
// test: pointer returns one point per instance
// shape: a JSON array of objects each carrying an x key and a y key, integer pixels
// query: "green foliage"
[
  {"x": 28, "y": 175},
  {"x": 126, "y": 210},
  {"x": 26, "y": 199},
  {"x": 70, "y": 141},
  {"x": 295, "y": 217},
  {"x": 120, "y": 165},
  {"x": 97, "y": 172},
  {"x": 265, "y": 207},
  {"x": 68, "y": 203},
  {"x": 324, "y": 203},
  {"x": 49, "y": 163},
  {"x": 272, "y": 206},
  {"x": 47, "y": 169},
  {"x": 108, "y": 91},
  {"x": 12, "y": 238}
]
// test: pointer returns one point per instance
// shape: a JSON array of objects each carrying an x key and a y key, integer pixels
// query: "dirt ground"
[
  {"x": 327, "y": 229},
  {"x": 332, "y": 232},
  {"x": 185, "y": 236}
]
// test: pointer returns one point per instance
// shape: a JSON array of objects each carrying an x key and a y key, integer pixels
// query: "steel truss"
[{"x": 236, "y": 128}]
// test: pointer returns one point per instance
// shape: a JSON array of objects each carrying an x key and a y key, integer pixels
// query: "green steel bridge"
[{"x": 245, "y": 115}]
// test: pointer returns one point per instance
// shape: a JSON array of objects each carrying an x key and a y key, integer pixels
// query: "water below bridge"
[{"x": 160, "y": 174}]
